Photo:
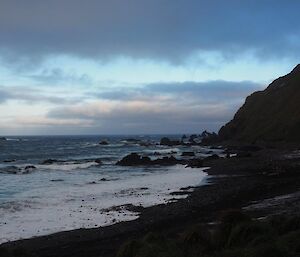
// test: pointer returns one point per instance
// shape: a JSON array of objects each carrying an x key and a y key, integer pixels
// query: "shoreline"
[
  {"x": 92, "y": 210},
  {"x": 234, "y": 183}
]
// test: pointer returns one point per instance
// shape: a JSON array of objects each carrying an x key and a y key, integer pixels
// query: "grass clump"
[{"x": 235, "y": 235}]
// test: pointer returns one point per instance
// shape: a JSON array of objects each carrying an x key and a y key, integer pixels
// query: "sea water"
[{"x": 74, "y": 191}]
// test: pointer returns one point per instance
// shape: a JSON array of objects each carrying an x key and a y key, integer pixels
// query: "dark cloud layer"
[
  {"x": 157, "y": 29},
  {"x": 208, "y": 91}
]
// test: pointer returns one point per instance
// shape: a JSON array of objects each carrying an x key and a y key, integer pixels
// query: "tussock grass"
[{"x": 235, "y": 235}]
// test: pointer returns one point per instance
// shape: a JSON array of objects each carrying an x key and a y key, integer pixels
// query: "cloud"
[
  {"x": 168, "y": 30},
  {"x": 152, "y": 108},
  {"x": 168, "y": 107},
  {"x": 31, "y": 95},
  {"x": 58, "y": 76},
  {"x": 208, "y": 91},
  {"x": 144, "y": 116}
]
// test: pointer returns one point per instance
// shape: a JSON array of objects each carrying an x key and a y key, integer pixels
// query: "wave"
[
  {"x": 163, "y": 151},
  {"x": 67, "y": 165}
]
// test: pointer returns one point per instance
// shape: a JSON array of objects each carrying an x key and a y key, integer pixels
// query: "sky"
[{"x": 138, "y": 66}]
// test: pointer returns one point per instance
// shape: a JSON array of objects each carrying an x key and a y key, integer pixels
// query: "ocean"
[{"x": 55, "y": 183}]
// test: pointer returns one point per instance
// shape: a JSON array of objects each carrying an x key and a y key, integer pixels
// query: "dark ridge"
[{"x": 272, "y": 115}]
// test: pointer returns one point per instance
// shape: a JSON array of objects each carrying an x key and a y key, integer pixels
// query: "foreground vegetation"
[{"x": 235, "y": 235}]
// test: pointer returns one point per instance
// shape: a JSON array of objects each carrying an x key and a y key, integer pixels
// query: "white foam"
[
  {"x": 66, "y": 166},
  {"x": 64, "y": 207},
  {"x": 163, "y": 151}
]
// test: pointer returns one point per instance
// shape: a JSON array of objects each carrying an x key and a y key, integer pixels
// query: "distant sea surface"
[{"x": 72, "y": 190}]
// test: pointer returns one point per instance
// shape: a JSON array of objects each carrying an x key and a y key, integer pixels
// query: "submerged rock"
[
  {"x": 188, "y": 154},
  {"x": 98, "y": 161},
  {"x": 7, "y": 161},
  {"x": 103, "y": 142},
  {"x": 48, "y": 161}
]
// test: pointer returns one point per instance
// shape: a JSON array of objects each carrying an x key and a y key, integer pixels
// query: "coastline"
[{"x": 234, "y": 183}]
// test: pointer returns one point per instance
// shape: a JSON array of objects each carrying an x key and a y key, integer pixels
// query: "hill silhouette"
[{"x": 271, "y": 115}]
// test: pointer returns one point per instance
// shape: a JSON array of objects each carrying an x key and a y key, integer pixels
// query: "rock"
[
  {"x": 98, "y": 161},
  {"x": 6, "y": 161},
  {"x": 169, "y": 142},
  {"x": 212, "y": 157},
  {"x": 243, "y": 155},
  {"x": 3, "y": 139},
  {"x": 135, "y": 159},
  {"x": 192, "y": 138},
  {"x": 103, "y": 142},
  {"x": 209, "y": 138},
  {"x": 166, "y": 161},
  {"x": 250, "y": 148},
  {"x": 48, "y": 161},
  {"x": 271, "y": 115},
  {"x": 188, "y": 154},
  {"x": 103, "y": 179},
  {"x": 29, "y": 168},
  {"x": 195, "y": 163},
  {"x": 165, "y": 141},
  {"x": 146, "y": 144}
]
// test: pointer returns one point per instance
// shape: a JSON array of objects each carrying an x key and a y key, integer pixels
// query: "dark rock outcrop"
[
  {"x": 209, "y": 138},
  {"x": 192, "y": 138},
  {"x": 272, "y": 115},
  {"x": 195, "y": 163},
  {"x": 212, "y": 157},
  {"x": 135, "y": 159},
  {"x": 167, "y": 141}
]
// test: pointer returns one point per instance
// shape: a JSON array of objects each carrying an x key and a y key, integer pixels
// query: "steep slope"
[{"x": 269, "y": 115}]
